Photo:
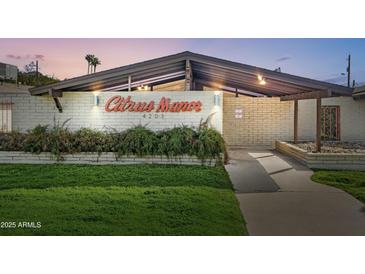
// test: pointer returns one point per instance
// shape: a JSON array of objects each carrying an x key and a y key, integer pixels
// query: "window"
[
  {"x": 5, "y": 117},
  {"x": 330, "y": 123}
]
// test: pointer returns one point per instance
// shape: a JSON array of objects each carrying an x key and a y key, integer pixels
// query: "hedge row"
[{"x": 203, "y": 142}]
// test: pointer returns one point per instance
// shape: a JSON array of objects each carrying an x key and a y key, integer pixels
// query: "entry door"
[{"x": 330, "y": 123}]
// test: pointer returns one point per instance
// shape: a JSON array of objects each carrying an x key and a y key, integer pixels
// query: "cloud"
[
  {"x": 12, "y": 56},
  {"x": 282, "y": 59},
  {"x": 39, "y": 56},
  {"x": 25, "y": 57}
]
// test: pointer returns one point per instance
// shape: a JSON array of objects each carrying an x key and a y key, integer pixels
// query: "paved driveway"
[{"x": 277, "y": 197}]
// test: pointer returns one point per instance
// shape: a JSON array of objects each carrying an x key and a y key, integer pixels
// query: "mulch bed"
[{"x": 334, "y": 147}]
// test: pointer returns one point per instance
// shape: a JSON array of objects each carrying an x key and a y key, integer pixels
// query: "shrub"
[
  {"x": 60, "y": 141},
  {"x": 89, "y": 140},
  {"x": 204, "y": 142},
  {"x": 138, "y": 141},
  {"x": 176, "y": 141},
  {"x": 56, "y": 140},
  {"x": 37, "y": 140},
  {"x": 13, "y": 141},
  {"x": 208, "y": 144}
]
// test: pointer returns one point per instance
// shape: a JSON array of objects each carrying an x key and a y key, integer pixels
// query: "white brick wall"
[
  {"x": 352, "y": 115},
  {"x": 264, "y": 119},
  {"x": 29, "y": 111}
]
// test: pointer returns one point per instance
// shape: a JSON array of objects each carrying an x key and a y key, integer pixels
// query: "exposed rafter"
[
  {"x": 227, "y": 88},
  {"x": 58, "y": 104},
  {"x": 55, "y": 94},
  {"x": 155, "y": 81},
  {"x": 188, "y": 75}
]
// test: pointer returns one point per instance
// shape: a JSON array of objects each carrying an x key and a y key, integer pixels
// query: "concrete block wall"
[
  {"x": 263, "y": 121},
  {"x": 107, "y": 158},
  {"x": 352, "y": 118},
  {"x": 30, "y": 111}
]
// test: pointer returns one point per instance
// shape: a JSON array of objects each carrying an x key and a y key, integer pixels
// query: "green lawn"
[
  {"x": 119, "y": 200},
  {"x": 352, "y": 182}
]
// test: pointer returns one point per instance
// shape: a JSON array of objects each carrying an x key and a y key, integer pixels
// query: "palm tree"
[
  {"x": 95, "y": 62},
  {"x": 89, "y": 58}
]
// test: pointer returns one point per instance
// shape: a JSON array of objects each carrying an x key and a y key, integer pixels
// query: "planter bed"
[
  {"x": 104, "y": 158},
  {"x": 334, "y": 147},
  {"x": 324, "y": 160}
]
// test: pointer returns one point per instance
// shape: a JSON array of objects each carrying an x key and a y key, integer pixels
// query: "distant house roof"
[
  {"x": 13, "y": 88},
  {"x": 204, "y": 69},
  {"x": 359, "y": 92}
]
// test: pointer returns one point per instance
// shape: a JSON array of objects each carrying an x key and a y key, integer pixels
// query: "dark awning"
[{"x": 204, "y": 69}]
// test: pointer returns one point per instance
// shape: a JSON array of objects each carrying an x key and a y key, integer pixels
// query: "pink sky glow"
[{"x": 322, "y": 59}]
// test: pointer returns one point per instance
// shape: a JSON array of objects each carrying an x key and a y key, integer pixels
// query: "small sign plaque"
[{"x": 238, "y": 113}]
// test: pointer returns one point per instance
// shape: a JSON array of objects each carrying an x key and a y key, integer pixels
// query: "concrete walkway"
[
  {"x": 243, "y": 164},
  {"x": 277, "y": 197}
]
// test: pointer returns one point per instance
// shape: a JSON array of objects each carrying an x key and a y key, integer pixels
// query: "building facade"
[
  {"x": 8, "y": 72},
  {"x": 171, "y": 91}
]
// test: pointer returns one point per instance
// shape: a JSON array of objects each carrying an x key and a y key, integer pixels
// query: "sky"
[{"x": 321, "y": 59}]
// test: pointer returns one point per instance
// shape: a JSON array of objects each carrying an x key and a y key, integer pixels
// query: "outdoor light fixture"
[
  {"x": 142, "y": 87},
  {"x": 261, "y": 79},
  {"x": 96, "y": 100},
  {"x": 216, "y": 100}
]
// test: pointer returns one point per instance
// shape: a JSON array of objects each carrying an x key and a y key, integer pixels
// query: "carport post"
[
  {"x": 295, "y": 121},
  {"x": 319, "y": 126}
]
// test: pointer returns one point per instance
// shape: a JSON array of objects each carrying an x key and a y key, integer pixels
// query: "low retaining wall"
[
  {"x": 107, "y": 158},
  {"x": 339, "y": 161}
]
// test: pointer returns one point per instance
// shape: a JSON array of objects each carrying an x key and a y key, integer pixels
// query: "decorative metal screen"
[
  {"x": 330, "y": 123},
  {"x": 5, "y": 117}
]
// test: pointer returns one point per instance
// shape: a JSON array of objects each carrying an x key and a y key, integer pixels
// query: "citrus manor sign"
[{"x": 123, "y": 104}]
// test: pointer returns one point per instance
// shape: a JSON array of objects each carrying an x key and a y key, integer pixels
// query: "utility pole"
[
  {"x": 349, "y": 70},
  {"x": 36, "y": 72},
  {"x": 36, "y": 69}
]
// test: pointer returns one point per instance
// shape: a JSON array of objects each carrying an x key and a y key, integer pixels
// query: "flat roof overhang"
[{"x": 199, "y": 69}]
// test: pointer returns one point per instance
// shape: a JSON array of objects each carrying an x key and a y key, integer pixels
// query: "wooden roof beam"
[
  {"x": 55, "y": 94},
  {"x": 188, "y": 76},
  {"x": 307, "y": 95}
]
